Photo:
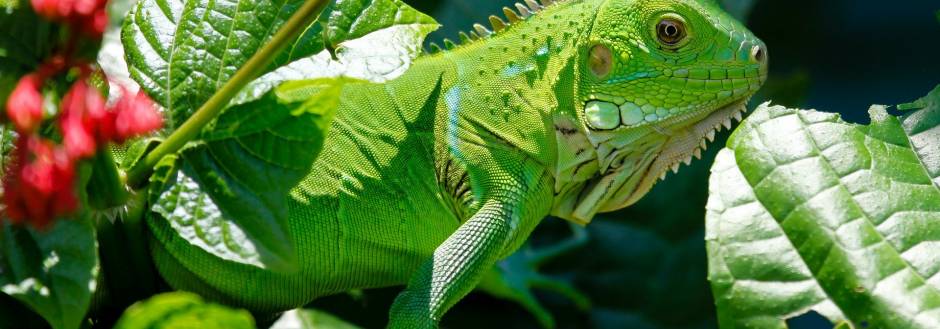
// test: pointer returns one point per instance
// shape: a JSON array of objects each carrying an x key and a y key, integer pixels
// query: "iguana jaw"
[
  {"x": 625, "y": 163},
  {"x": 682, "y": 145}
]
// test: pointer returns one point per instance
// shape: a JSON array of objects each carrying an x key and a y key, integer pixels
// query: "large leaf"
[
  {"x": 371, "y": 40},
  {"x": 183, "y": 310},
  {"x": 52, "y": 272},
  {"x": 181, "y": 52},
  {"x": 922, "y": 129},
  {"x": 111, "y": 58},
  {"x": 353, "y": 19},
  {"x": 306, "y": 318},
  {"x": 230, "y": 195},
  {"x": 808, "y": 212}
]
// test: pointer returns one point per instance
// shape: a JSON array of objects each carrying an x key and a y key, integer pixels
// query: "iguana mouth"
[
  {"x": 681, "y": 147},
  {"x": 604, "y": 112},
  {"x": 627, "y": 163},
  {"x": 681, "y": 144}
]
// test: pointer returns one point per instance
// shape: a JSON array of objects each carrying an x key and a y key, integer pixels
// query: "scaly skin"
[{"x": 432, "y": 178}]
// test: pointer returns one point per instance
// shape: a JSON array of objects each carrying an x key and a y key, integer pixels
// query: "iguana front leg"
[
  {"x": 455, "y": 269},
  {"x": 512, "y": 206}
]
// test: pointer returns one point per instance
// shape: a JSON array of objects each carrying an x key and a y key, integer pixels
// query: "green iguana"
[{"x": 570, "y": 109}]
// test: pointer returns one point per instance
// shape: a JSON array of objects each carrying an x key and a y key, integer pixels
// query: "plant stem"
[
  {"x": 124, "y": 257},
  {"x": 298, "y": 22},
  {"x": 105, "y": 188}
]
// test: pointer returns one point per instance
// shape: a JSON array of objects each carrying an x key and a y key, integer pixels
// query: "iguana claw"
[{"x": 515, "y": 277}]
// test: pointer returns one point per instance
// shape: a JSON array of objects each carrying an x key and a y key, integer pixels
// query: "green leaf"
[
  {"x": 372, "y": 40},
  {"x": 182, "y": 310},
  {"x": 237, "y": 175},
  {"x": 354, "y": 19},
  {"x": 7, "y": 136},
  {"x": 110, "y": 55},
  {"x": 181, "y": 52},
  {"x": 52, "y": 272},
  {"x": 921, "y": 127},
  {"x": 925, "y": 102},
  {"x": 808, "y": 212},
  {"x": 25, "y": 40},
  {"x": 9, "y": 4},
  {"x": 230, "y": 195},
  {"x": 306, "y": 318},
  {"x": 308, "y": 43}
]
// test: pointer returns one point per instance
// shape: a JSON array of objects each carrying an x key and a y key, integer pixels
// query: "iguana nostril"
[
  {"x": 758, "y": 54},
  {"x": 600, "y": 60}
]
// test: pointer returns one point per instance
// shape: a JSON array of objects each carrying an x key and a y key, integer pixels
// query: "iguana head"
[{"x": 655, "y": 80}]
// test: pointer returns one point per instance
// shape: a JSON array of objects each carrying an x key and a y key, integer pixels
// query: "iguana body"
[{"x": 431, "y": 178}]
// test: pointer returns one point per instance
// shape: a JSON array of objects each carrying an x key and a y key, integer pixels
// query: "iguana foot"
[{"x": 515, "y": 277}]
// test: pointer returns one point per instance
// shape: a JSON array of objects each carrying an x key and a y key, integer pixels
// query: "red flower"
[
  {"x": 88, "y": 7},
  {"x": 136, "y": 115},
  {"x": 88, "y": 16},
  {"x": 78, "y": 142},
  {"x": 39, "y": 183},
  {"x": 83, "y": 117},
  {"x": 95, "y": 24},
  {"x": 24, "y": 107},
  {"x": 87, "y": 123},
  {"x": 46, "y": 8}
]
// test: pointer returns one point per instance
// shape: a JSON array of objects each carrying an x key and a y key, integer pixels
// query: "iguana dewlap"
[{"x": 570, "y": 109}]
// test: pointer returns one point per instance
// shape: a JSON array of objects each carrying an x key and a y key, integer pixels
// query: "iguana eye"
[{"x": 670, "y": 31}]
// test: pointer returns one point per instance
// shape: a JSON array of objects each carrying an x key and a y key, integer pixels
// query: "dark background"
[{"x": 645, "y": 266}]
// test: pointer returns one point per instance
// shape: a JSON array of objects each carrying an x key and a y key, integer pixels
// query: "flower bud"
[
  {"x": 136, "y": 116},
  {"x": 24, "y": 107},
  {"x": 78, "y": 104},
  {"x": 97, "y": 23},
  {"x": 77, "y": 140},
  {"x": 86, "y": 7}
]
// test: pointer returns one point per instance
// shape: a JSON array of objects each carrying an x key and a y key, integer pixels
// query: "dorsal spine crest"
[{"x": 497, "y": 24}]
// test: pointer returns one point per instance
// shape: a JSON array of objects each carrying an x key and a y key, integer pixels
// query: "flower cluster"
[
  {"x": 87, "y": 123},
  {"x": 39, "y": 184},
  {"x": 88, "y": 16},
  {"x": 39, "y": 180}
]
